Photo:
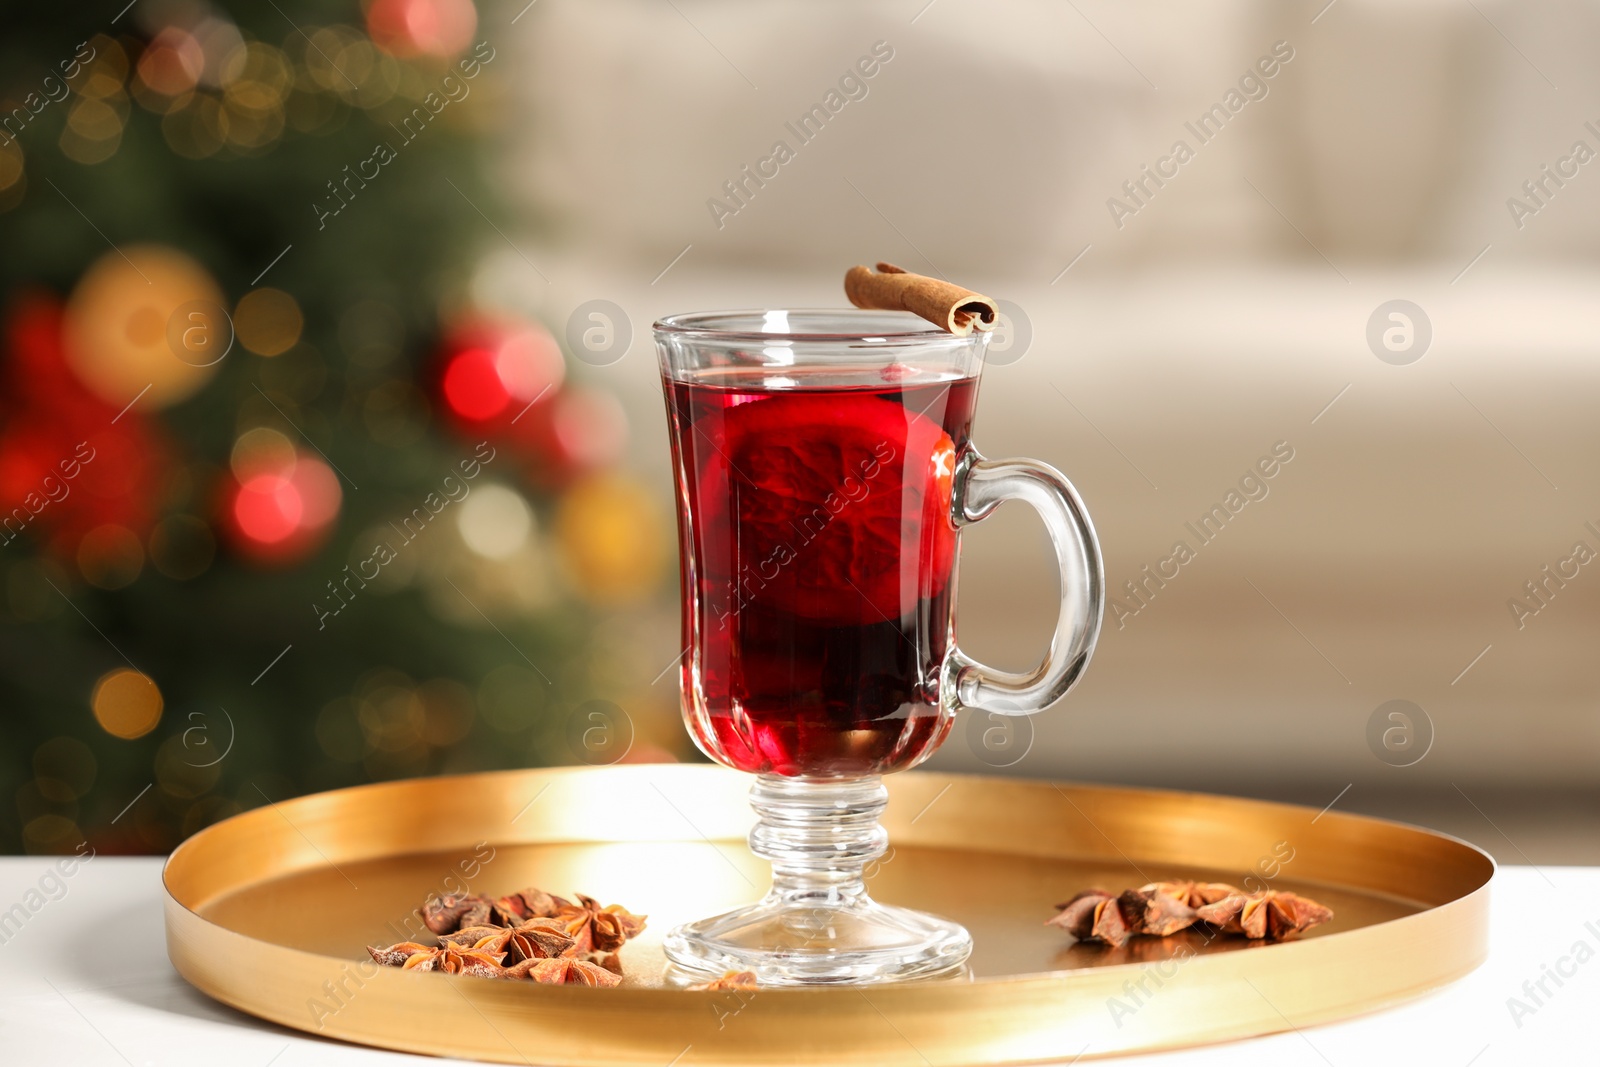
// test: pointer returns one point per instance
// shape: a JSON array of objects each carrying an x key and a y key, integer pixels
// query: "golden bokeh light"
[
  {"x": 268, "y": 68},
  {"x": 107, "y": 71},
  {"x": 268, "y": 321},
  {"x": 126, "y": 703},
  {"x": 119, "y": 320},
  {"x": 110, "y": 557},
  {"x": 94, "y": 129},
  {"x": 172, "y": 62},
  {"x": 247, "y": 94},
  {"x": 324, "y": 48},
  {"x": 262, "y": 450},
  {"x": 197, "y": 128},
  {"x": 249, "y": 129},
  {"x": 611, "y": 536}
]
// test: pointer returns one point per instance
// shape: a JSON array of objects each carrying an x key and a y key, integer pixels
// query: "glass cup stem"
[
  {"x": 819, "y": 834},
  {"x": 818, "y": 924}
]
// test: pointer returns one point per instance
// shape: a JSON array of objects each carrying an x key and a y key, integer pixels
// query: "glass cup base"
[
  {"x": 790, "y": 943},
  {"x": 818, "y": 925}
]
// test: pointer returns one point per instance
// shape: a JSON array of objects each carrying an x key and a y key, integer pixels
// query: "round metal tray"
[{"x": 270, "y": 911}]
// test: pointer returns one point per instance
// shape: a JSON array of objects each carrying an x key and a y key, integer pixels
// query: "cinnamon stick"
[{"x": 942, "y": 303}]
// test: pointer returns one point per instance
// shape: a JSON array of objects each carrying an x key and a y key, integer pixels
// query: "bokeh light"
[
  {"x": 268, "y": 508},
  {"x": 494, "y": 521},
  {"x": 223, "y": 46},
  {"x": 171, "y": 64},
  {"x": 590, "y": 427},
  {"x": 196, "y": 128},
  {"x": 262, "y": 450},
  {"x": 267, "y": 321},
  {"x": 116, "y": 325},
  {"x": 492, "y": 371},
  {"x": 282, "y": 506},
  {"x": 126, "y": 703},
  {"x": 94, "y": 129},
  {"x": 422, "y": 27},
  {"x": 325, "y": 61},
  {"x": 472, "y": 385},
  {"x": 611, "y": 536},
  {"x": 107, "y": 71}
]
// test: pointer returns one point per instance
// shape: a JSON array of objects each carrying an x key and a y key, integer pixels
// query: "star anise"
[
  {"x": 542, "y": 905},
  {"x": 449, "y": 958},
  {"x": 453, "y": 960},
  {"x": 483, "y": 936},
  {"x": 1270, "y": 915},
  {"x": 597, "y": 929},
  {"x": 1093, "y": 915},
  {"x": 444, "y": 915},
  {"x": 530, "y": 934},
  {"x": 1193, "y": 894},
  {"x": 395, "y": 955},
  {"x": 564, "y": 971},
  {"x": 534, "y": 939},
  {"x": 731, "y": 980},
  {"x": 1147, "y": 911},
  {"x": 539, "y": 939}
]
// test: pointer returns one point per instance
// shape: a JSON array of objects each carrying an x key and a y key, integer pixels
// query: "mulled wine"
[{"x": 818, "y": 562}]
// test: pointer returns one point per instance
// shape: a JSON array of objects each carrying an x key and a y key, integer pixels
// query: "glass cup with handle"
[{"x": 825, "y": 469}]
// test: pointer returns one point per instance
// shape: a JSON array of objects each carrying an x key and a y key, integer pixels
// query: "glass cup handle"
[{"x": 980, "y": 486}]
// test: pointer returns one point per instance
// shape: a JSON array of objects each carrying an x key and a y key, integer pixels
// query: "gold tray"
[{"x": 270, "y": 910}]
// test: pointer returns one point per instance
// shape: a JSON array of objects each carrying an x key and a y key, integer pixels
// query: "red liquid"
[{"x": 818, "y": 562}]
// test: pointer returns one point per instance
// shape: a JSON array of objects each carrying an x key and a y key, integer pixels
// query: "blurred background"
[{"x": 332, "y": 447}]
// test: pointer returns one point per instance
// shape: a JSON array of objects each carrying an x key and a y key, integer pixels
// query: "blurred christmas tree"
[{"x": 271, "y": 489}]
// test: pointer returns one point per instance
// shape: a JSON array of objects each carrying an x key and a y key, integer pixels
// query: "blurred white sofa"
[{"x": 1177, "y": 349}]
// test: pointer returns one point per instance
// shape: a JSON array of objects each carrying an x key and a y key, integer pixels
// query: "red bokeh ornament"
[
  {"x": 69, "y": 462},
  {"x": 281, "y": 515},
  {"x": 422, "y": 27},
  {"x": 490, "y": 372}
]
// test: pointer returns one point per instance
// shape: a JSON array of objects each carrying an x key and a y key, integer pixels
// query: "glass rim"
[{"x": 702, "y": 326}]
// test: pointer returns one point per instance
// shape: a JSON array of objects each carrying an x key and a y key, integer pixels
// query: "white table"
[{"x": 85, "y": 981}]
